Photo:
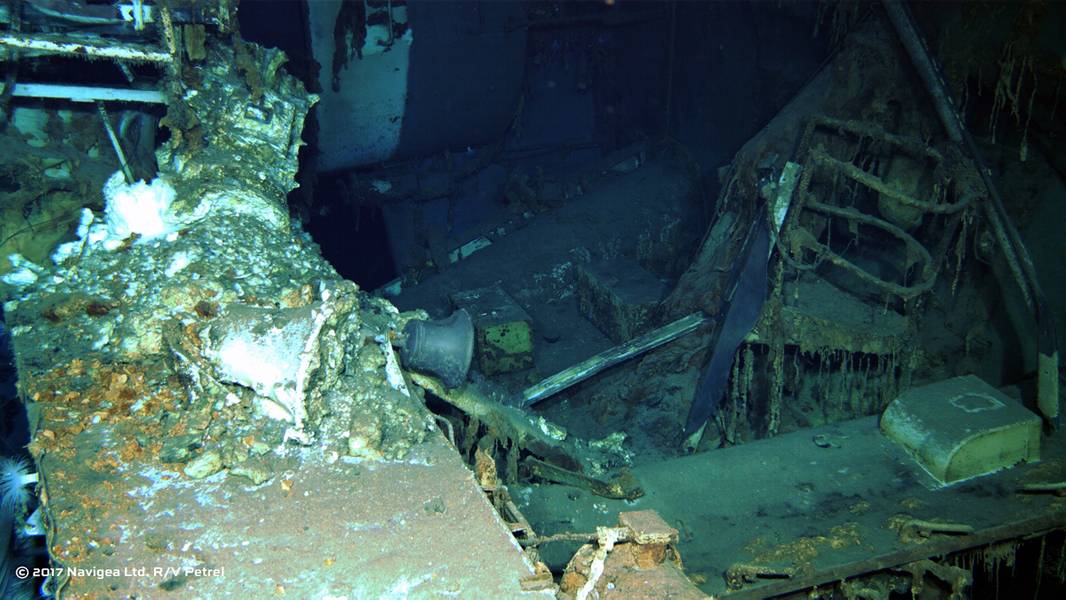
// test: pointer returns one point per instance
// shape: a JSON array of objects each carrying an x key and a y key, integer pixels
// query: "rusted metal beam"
[
  {"x": 67, "y": 46},
  {"x": 1023, "y": 529}
]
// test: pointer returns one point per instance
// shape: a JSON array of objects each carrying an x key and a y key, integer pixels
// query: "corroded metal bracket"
[{"x": 794, "y": 237}]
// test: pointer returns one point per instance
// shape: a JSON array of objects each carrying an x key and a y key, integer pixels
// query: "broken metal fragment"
[
  {"x": 1057, "y": 488},
  {"x": 506, "y": 421},
  {"x": 912, "y": 530},
  {"x": 537, "y": 436},
  {"x": 623, "y": 487},
  {"x": 740, "y": 574},
  {"x": 958, "y": 579},
  {"x": 745, "y": 306},
  {"x": 205, "y": 465}
]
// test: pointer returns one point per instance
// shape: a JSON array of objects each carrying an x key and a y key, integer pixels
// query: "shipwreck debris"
[
  {"x": 913, "y": 530},
  {"x": 624, "y": 487},
  {"x": 638, "y": 558},
  {"x": 555, "y": 456},
  {"x": 612, "y": 356},
  {"x": 738, "y": 575},
  {"x": 1058, "y": 488}
]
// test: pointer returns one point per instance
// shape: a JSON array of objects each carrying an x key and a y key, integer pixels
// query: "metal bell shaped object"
[{"x": 443, "y": 347}]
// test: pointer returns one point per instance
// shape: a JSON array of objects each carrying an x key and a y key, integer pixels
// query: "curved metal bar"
[
  {"x": 878, "y": 185},
  {"x": 928, "y": 273}
]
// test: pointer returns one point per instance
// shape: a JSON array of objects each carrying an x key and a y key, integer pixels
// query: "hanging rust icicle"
[
  {"x": 749, "y": 373},
  {"x": 776, "y": 355}
]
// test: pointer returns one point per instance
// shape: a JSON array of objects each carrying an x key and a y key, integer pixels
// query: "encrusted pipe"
[
  {"x": 51, "y": 44},
  {"x": 915, "y": 47},
  {"x": 84, "y": 93},
  {"x": 610, "y": 357},
  {"x": 126, "y": 171},
  {"x": 1014, "y": 251},
  {"x": 607, "y": 536}
]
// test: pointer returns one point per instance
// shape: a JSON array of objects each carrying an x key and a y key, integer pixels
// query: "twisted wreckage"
[{"x": 213, "y": 411}]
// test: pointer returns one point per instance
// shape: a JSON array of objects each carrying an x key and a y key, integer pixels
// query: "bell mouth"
[{"x": 442, "y": 347}]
